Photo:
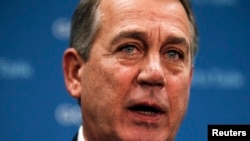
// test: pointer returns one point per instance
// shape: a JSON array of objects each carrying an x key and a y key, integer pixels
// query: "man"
[{"x": 130, "y": 67}]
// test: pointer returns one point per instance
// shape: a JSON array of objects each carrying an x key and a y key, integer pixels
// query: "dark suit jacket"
[{"x": 75, "y": 137}]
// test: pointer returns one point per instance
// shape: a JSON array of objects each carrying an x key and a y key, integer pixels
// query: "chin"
[{"x": 145, "y": 135}]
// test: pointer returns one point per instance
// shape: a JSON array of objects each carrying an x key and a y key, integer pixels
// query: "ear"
[{"x": 72, "y": 64}]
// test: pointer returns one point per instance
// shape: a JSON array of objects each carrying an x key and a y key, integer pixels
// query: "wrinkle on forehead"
[
  {"x": 139, "y": 6},
  {"x": 161, "y": 13},
  {"x": 115, "y": 10}
]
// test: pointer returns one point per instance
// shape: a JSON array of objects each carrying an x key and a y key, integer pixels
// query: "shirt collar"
[{"x": 80, "y": 134}]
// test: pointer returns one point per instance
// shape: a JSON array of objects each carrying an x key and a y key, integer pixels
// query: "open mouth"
[{"x": 146, "y": 109}]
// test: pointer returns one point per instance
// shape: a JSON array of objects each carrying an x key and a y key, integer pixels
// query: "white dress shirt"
[{"x": 80, "y": 134}]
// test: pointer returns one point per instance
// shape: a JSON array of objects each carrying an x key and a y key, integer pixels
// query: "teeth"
[
  {"x": 144, "y": 109},
  {"x": 147, "y": 112}
]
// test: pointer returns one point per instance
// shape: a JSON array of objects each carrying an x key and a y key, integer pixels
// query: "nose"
[{"x": 151, "y": 72}]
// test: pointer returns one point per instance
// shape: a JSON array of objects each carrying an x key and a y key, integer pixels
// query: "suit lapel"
[{"x": 75, "y": 137}]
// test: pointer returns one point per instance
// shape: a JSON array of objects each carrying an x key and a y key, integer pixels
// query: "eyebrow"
[
  {"x": 130, "y": 35},
  {"x": 172, "y": 40},
  {"x": 177, "y": 41}
]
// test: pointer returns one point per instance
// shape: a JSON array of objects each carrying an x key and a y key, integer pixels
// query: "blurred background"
[{"x": 35, "y": 106}]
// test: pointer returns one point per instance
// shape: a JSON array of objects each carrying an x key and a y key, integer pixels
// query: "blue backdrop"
[{"x": 35, "y": 106}]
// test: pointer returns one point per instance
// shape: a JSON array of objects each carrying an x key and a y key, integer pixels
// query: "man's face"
[{"x": 136, "y": 83}]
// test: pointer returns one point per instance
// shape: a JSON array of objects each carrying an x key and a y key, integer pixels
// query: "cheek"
[
  {"x": 178, "y": 92},
  {"x": 104, "y": 87},
  {"x": 97, "y": 98},
  {"x": 98, "y": 85},
  {"x": 179, "y": 96}
]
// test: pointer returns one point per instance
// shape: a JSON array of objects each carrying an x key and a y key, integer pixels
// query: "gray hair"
[{"x": 85, "y": 24}]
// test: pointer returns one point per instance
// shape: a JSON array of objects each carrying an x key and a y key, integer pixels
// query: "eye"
[
  {"x": 174, "y": 55},
  {"x": 129, "y": 53},
  {"x": 129, "y": 49}
]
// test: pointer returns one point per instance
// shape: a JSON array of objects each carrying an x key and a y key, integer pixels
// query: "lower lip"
[{"x": 146, "y": 118}]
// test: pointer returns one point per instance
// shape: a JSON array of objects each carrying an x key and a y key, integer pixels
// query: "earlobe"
[{"x": 72, "y": 64}]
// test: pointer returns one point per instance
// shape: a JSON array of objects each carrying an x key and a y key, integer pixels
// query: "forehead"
[
  {"x": 167, "y": 16},
  {"x": 144, "y": 12},
  {"x": 156, "y": 8}
]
